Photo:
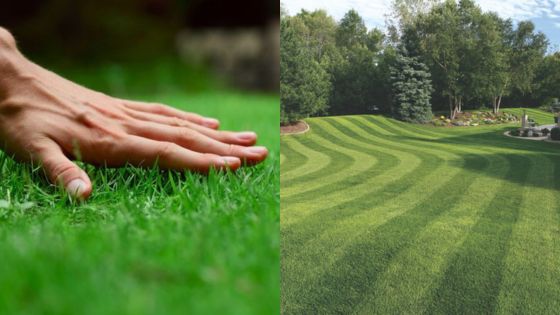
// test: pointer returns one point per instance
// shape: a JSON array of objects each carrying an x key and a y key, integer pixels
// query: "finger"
[
  {"x": 193, "y": 140},
  {"x": 62, "y": 171},
  {"x": 146, "y": 152},
  {"x": 245, "y": 138},
  {"x": 163, "y": 110}
]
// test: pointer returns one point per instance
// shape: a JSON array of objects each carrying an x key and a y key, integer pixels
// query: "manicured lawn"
[
  {"x": 384, "y": 217},
  {"x": 148, "y": 242},
  {"x": 542, "y": 118}
]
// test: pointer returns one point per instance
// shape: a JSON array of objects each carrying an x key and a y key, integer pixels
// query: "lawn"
[
  {"x": 148, "y": 241},
  {"x": 384, "y": 217}
]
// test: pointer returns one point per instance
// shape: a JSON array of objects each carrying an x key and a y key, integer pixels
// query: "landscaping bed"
[
  {"x": 298, "y": 127},
  {"x": 475, "y": 118}
]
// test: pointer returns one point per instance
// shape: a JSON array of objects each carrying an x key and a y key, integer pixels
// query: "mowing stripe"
[
  {"x": 294, "y": 158},
  {"x": 299, "y": 265},
  {"x": 476, "y": 268},
  {"x": 385, "y": 162},
  {"x": 411, "y": 162},
  {"x": 335, "y": 236},
  {"x": 414, "y": 273},
  {"x": 370, "y": 253},
  {"x": 383, "y": 240},
  {"x": 312, "y": 161},
  {"x": 354, "y": 162},
  {"x": 531, "y": 268},
  {"x": 539, "y": 116},
  {"x": 494, "y": 141},
  {"x": 338, "y": 160}
]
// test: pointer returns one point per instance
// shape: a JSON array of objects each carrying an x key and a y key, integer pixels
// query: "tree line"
[{"x": 433, "y": 56}]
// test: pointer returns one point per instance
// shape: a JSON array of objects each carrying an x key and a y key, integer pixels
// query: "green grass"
[
  {"x": 148, "y": 241},
  {"x": 539, "y": 116},
  {"x": 384, "y": 217}
]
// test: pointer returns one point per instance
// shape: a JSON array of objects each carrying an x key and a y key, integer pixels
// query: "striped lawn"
[
  {"x": 542, "y": 118},
  {"x": 384, "y": 217}
]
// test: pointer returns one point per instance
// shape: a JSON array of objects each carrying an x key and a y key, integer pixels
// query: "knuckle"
[
  {"x": 211, "y": 159},
  {"x": 11, "y": 108},
  {"x": 166, "y": 150},
  {"x": 102, "y": 143},
  {"x": 174, "y": 121},
  {"x": 188, "y": 136},
  {"x": 59, "y": 170},
  {"x": 159, "y": 108},
  {"x": 231, "y": 150}
]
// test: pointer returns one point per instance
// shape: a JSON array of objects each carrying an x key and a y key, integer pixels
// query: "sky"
[{"x": 545, "y": 14}]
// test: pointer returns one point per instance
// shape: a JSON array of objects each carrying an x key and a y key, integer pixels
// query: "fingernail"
[
  {"x": 230, "y": 160},
  {"x": 210, "y": 122},
  {"x": 76, "y": 187},
  {"x": 256, "y": 150},
  {"x": 247, "y": 135}
]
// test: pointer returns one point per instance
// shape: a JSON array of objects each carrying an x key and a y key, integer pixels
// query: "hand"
[{"x": 47, "y": 119}]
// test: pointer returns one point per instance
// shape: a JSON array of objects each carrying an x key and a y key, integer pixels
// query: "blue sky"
[{"x": 544, "y": 13}]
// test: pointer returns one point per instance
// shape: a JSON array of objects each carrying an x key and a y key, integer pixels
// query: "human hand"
[{"x": 47, "y": 119}]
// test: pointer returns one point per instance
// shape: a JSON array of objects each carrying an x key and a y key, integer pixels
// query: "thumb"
[{"x": 62, "y": 171}]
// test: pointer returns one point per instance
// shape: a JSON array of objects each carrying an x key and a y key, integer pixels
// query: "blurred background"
[{"x": 150, "y": 46}]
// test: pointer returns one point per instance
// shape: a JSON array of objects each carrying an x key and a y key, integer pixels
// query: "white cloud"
[
  {"x": 519, "y": 9},
  {"x": 545, "y": 13},
  {"x": 374, "y": 11}
]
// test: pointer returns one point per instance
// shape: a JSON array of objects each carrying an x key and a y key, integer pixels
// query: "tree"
[
  {"x": 547, "y": 79},
  {"x": 525, "y": 50},
  {"x": 320, "y": 35},
  {"x": 403, "y": 14},
  {"x": 351, "y": 31},
  {"x": 438, "y": 38},
  {"x": 488, "y": 60},
  {"x": 357, "y": 67},
  {"x": 304, "y": 84},
  {"x": 412, "y": 90},
  {"x": 467, "y": 52}
]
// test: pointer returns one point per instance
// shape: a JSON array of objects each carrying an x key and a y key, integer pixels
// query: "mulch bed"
[{"x": 298, "y": 127}]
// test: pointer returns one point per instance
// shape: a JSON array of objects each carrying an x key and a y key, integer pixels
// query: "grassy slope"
[
  {"x": 148, "y": 242},
  {"x": 542, "y": 118},
  {"x": 380, "y": 216}
]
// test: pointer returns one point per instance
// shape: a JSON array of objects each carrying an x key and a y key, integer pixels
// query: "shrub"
[
  {"x": 439, "y": 123},
  {"x": 514, "y": 133},
  {"x": 545, "y": 131},
  {"x": 555, "y": 133}
]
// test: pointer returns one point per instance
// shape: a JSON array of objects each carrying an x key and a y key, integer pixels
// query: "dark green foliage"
[
  {"x": 352, "y": 31},
  {"x": 358, "y": 79},
  {"x": 547, "y": 80},
  {"x": 411, "y": 90},
  {"x": 304, "y": 84},
  {"x": 555, "y": 133},
  {"x": 345, "y": 61},
  {"x": 475, "y": 58}
]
